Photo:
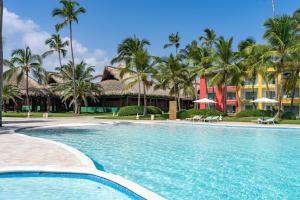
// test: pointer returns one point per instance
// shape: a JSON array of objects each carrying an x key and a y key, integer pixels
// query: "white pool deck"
[{"x": 23, "y": 153}]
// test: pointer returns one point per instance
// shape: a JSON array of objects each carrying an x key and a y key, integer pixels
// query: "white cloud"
[{"x": 19, "y": 33}]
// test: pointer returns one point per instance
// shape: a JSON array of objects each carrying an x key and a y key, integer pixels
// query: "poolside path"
[{"x": 17, "y": 150}]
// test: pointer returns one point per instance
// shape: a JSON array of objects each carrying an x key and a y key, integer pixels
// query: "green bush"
[
  {"x": 255, "y": 113},
  {"x": 153, "y": 110},
  {"x": 288, "y": 115},
  {"x": 133, "y": 110},
  {"x": 183, "y": 114}
]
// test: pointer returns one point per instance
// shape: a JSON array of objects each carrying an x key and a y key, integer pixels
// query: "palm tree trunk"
[
  {"x": 139, "y": 94},
  {"x": 281, "y": 85},
  {"x": 73, "y": 63},
  {"x": 59, "y": 57},
  {"x": 253, "y": 83},
  {"x": 293, "y": 93},
  {"x": 27, "y": 90},
  {"x": 1, "y": 61},
  {"x": 196, "y": 93},
  {"x": 225, "y": 95},
  {"x": 145, "y": 101}
]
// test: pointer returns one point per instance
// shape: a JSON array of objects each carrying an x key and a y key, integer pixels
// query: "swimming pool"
[
  {"x": 52, "y": 186},
  {"x": 181, "y": 161}
]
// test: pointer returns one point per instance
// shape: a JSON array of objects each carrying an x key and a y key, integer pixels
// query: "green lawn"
[
  {"x": 40, "y": 115},
  {"x": 147, "y": 117}
]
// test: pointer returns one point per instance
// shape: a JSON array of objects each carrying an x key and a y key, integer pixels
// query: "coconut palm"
[
  {"x": 10, "y": 93},
  {"x": 56, "y": 44},
  {"x": 174, "y": 40},
  {"x": 69, "y": 12},
  {"x": 224, "y": 66},
  {"x": 23, "y": 62},
  {"x": 209, "y": 38},
  {"x": 85, "y": 86},
  {"x": 139, "y": 72},
  {"x": 1, "y": 60},
  {"x": 127, "y": 53},
  {"x": 170, "y": 75},
  {"x": 281, "y": 35}
]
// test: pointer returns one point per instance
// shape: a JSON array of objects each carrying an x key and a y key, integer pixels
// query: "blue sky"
[{"x": 107, "y": 22}]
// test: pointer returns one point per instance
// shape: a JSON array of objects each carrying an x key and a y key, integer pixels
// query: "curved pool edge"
[
  {"x": 129, "y": 185},
  {"x": 89, "y": 168}
]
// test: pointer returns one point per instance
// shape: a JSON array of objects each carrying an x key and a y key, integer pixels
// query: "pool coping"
[{"x": 89, "y": 168}]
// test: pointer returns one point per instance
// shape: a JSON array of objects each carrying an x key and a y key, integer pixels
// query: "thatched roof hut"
[
  {"x": 112, "y": 84},
  {"x": 34, "y": 88}
]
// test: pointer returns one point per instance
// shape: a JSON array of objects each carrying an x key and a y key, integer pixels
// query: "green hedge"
[
  {"x": 288, "y": 115},
  {"x": 183, "y": 114},
  {"x": 255, "y": 113},
  {"x": 133, "y": 110}
]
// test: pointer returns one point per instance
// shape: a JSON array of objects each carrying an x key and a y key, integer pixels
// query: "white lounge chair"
[
  {"x": 269, "y": 120},
  {"x": 195, "y": 118},
  {"x": 213, "y": 119}
]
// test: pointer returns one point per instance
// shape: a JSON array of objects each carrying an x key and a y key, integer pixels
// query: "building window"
[
  {"x": 295, "y": 109},
  {"x": 250, "y": 95},
  {"x": 211, "y": 95},
  {"x": 270, "y": 94},
  {"x": 231, "y": 95},
  {"x": 231, "y": 108}
]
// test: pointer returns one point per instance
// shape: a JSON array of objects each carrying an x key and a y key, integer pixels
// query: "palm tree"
[
  {"x": 10, "y": 93},
  {"x": 127, "y": 52},
  {"x": 69, "y": 12},
  {"x": 23, "y": 62},
  {"x": 281, "y": 35},
  {"x": 224, "y": 66},
  {"x": 85, "y": 86},
  {"x": 170, "y": 74},
  {"x": 174, "y": 40},
  {"x": 1, "y": 60},
  {"x": 140, "y": 71},
  {"x": 56, "y": 44},
  {"x": 209, "y": 38}
]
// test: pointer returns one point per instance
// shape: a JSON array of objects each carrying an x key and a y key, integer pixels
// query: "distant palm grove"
[{"x": 211, "y": 57}]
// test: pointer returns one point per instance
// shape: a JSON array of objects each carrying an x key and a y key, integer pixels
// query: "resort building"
[
  {"x": 238, "y": 100},
  {"x": 218, "y": 95},
  {"x": 114, "y": 95}
]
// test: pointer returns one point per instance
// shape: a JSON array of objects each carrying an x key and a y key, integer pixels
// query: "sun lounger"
[
  {"x": 213, "y": 119},
  {"x": 268, "y": 120},
  {"x": 195, "y": 118}
]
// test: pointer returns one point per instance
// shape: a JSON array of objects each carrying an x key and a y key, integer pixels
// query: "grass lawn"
[
  {"x": 40, "y": 115},
  {"x": 147, "y": 117}
]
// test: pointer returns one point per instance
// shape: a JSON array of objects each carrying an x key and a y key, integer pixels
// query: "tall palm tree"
[
  {"x": 224, "y": 66},
  {"x": 170, "y": 74},
  {"x": 10, "y": 93},
  {"x": 174, "y": 40},
  {"x": 23, "y": 62},
  {"x": 69, "y": 12},
  {"x": 1, "y": 59},
  {"x": 86, "y": 88},
  {"x": 140, "y": 71},
  {"x": 281, "y": 35},
  {"x": 56, "y": 44},
  {"x": 209, "y": 38},
  {"x": 127, "y": 53}
]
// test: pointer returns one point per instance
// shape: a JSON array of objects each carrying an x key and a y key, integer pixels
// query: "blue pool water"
[
  {"x": 193, "y": 162},
  {"x": 59, "y": 186}
]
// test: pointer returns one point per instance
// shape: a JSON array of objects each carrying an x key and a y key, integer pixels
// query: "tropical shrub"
[
  {"x": 133, "y": 110},
  {"x": 288, "y": 115},
  {"x": 183, "y": 114},
  {"x": 255, "y": 113}
]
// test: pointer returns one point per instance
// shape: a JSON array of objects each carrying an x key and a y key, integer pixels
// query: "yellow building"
[{"x": 261, "y": 90}]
